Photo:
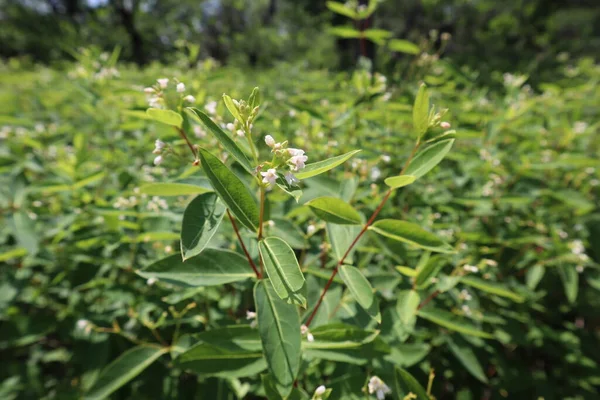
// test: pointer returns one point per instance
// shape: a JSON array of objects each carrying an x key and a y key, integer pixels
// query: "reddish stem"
[
  {"x": 428, "y": 299},
  {"x": 237, "y": 232}
]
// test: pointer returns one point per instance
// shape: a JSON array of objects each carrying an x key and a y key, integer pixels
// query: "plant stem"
[
  {"x": 261, "y": 216},
  {"x": 237, "y": 232},
  {"x": 357, "y": 238},
  {"x": 190, "y": 145},
  {"x": 428, "y": 299}
]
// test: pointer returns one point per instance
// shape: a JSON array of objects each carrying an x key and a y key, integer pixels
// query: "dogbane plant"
[{"x": 287, "y": 332}]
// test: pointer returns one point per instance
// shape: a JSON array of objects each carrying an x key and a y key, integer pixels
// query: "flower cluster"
[
  {"x": 284, "y": 156},
  {"x": 305, "y": 332},
  {"x": 156, "y": 95},
  {"x": 159, "y": 146},
  {"x": 377, "y": 386}
]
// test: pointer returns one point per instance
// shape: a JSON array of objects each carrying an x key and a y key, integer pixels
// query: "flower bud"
[
  {"x": 149, "y": 90},
  {"x": 158, "y": 160},
  {"x": 163, "y": 82},
  {"x": 269, "y": 141},
  {"x": 180, "y": 87},
  {"x": 320, "y": 390},
  {"x": 189, "y": 98},
  {"x": 445, "y": 125}
]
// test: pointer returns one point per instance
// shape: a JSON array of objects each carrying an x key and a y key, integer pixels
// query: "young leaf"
[
  {"x": 167, "y": 117},
  {"x": 411, "y": 233},
  {"x": 421, "y": 111},
  {"x": 405, "y": 383},
  {"x": 403, "y": 46},
  {"x": 452, "y": 322},
  {"x": 467, "y": 357},
  {"x": 279, "y": 330},
  {"x": 129, "y": 365},
  {"x": 341, "y": 9},
  {"x": 254, "y": 99},
  {"x": 396, "y": 182},
  {"x": 492, "y": 287},
  {"x": 232, "y": 108},
  {"x": 283, "y": 270},
  {"x": 210, "y": 268},
  {"x": 334, "y": 210},
  {"x": 319, "y": 167},
  {"x": 361, "y": 290},
  {"x": 428, "y": 158},
  {"x": 345, "y": 32},
  {"x": 223, "y": 138},
  {"x": 172, "y": 189},
  {"x": 232, "y": 351},
  {"x": 201, "y": 219},
  {"x": 231, "y": 190}
]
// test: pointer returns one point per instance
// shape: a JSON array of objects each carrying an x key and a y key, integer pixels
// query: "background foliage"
[{"x": 517, "y": 197}]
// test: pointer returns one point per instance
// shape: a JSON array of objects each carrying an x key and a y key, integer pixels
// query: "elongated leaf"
[
  {"x": 232, "y": 352},
  {"x": 396, "y": 182},
  {"x": 377, "y": 35},
  {"x": 339, "y": 336},
  {"x": 421, "y": 111},
  {"x": 452, "y": 322},
  {"x": 167, "y": 117},
  {"x": 406, "y": 305},
  {"x": 319, "y": 167},
  {"x": 340, "y": 237},
  {"x": 341, "y": 9},
  {"x": 279, "y": 330},
  {"x": 361, "y": 290},
  {"x": 403, "y": 46},
  {"x": 570, "y": 280},
  {"x": 405, "y": 383},
  {"x": 272, "y": 393},
  {"x": 429, "y": 270},
  {"x": 289, "y": 232},
  {"x": 129, "y": 365},
  {"x": 428, "y": 158},
  {"x": 345, "y": 32},
  {"x": 493, "y": 288},
  {"x": 334, "y": 210},
  {"x": 407, "y": 271},
  {"x": 223, "y": 138},
  {"x": 172, "y": 189},
  {"x": 201, "y": 219},
  {"x": 411, "y": 233},
  {"x": 467, "y": 357},
  {"x": 231, "y": 190},
  {"x": 209, "y": 268},
  {"x": 283, "y": 270},
  {"x": 232, "y": 108}
]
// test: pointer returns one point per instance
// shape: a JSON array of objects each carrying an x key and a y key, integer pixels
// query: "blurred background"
[{"x": 509, "y": 35}]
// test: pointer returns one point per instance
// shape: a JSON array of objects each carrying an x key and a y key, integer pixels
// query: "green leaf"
[
  {"x": 319, "y": 167},
  {"x": 361, "y": 290},
  {"x": 339, "y": 336},
  {"x": 428, "y": 158},
  {"x": 340, "y": 237},
  {"x": 231, "y": 190},
  {"x": 210, "y": 268},
  {"x": 345, "y": 32},
  {"x": 230, "y": 352},
  {"x": 254, "y": 99},
  {"x": 570, "y": 280},
  {"x": 171, "y": 189},
  {"x": 167, "y": 117},
  {"x": 411, "y": 233},
  {"x": 279, "y": 330},
  {"x": 377, "y": 35},
  {"x": 421, "y": 111},
  {"x": 429, "y": 270},
  {"x": 283, "y": 270},
  {"x": 272, "y": 393},
  {"x": 452, "y": 322},
  {"x": 223, "y": 138},
  {"x": 405, "y": 383},
  {"x": 407, "y": 271},
  {"x": 129, "y": 365},
  {"x": 396, "y": 182},
  {"x": 341, "y": 9},
  {"x": 334, "y": 210},
  {"x": 232, "y": 108},
  {"x": 403, "y": 46},
  {"x": 406, "y": 306},
  {"x": 465, "y": 354},
  {"x": 289, "y": 232},
  {"x": 201, "y": 219},
  {"x": 492, "y": 287}
]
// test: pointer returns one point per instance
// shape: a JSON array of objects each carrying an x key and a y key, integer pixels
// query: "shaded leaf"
[
  {"x": 492, "y": 287},
  {"x": 405, "y": 383},
  {"x": 201, "y": 219},
  {"x": 452, "y": 322},
  {"x": 465, "y": 354},
  {"x": 411, "y": 233},
  {"x": 361, "y": 290},
  {"x": 403, "y": 46}
]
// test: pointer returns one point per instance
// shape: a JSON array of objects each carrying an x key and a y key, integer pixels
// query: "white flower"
[
  {"x": 199, "y": 132},
  {"x": 271, "y": 223},
  {"x": 445, "y": 125},
  {"x": 151, "y": 281},
  {"x": 465, "y": 295},
  {"x": 180, "y": 87},
  {"x": 580, "y": 127},
  {"x": 270, "y": 176},
  {"x": 579, "y": 269},
  {"x": 310, "y": 337},
  {"x": 375, "y": 173},
  {"x": 386, "y": 158},
  {"x": 466, "y": 309},
  {"x": 292, "y": 113},
  {"x": 269, "y": 141},
  {"x": 158, "y": 160},
  {"x": 291, "y": 179},
  {"x": 189, "y": 98},
  {"x": 163, "y": 82},
  {"x": 295, "y": 152},
  {"x": 158, "y": 146},
  {"x": 562, "y": 234},
  {"x": 240, "y": 133},
  {"x": 303, "y": 329},
  {"x": 312, "y": 228},
  {"x": 377, "y": 386},
  {"x": 230, "y": 126},
  {"x": 250, "y": 315},
  {"x": 320, "y": 391},
  {"x": 577, "y": 247},
  {"x": 154, "y": 102},
  {"x": 211, "y": 107},
  {"x": 149, "y": 90},
  {"x": 470, "y": 268},
  {"x": 82, "y": 324},
  {"x": 298, "y": 159},
  {"x": 168, "y": 249}
]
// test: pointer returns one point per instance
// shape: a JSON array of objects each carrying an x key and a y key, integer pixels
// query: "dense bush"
[{"x": 510, "y": 310}]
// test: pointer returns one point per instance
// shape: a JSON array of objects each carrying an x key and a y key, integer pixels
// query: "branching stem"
[{"x": 237, "y": 232}]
